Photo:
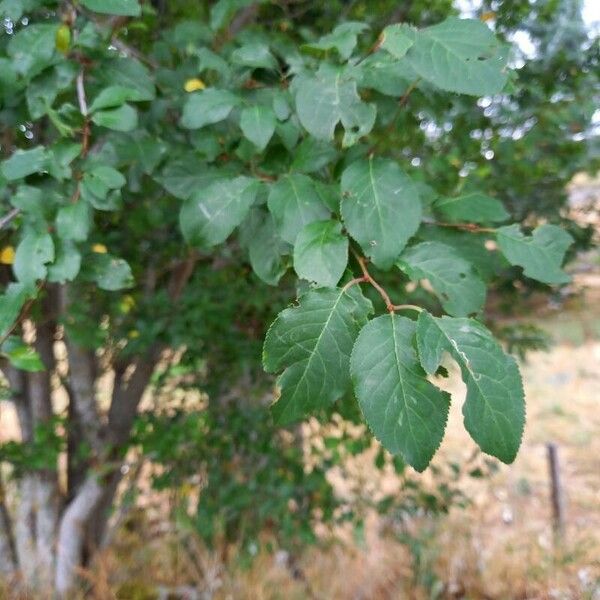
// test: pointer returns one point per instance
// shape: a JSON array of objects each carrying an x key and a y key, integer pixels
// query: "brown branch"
[
  {"x": 352, "y": 282},
  {"x": 472, "y": 227},
  {"x": 181, "y": 275},
  {"x": 362, "y": 261}
]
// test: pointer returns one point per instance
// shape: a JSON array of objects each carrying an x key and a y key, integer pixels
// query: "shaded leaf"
[
  {"x": 211, "y": 214},
  {"x": 474, "y": 207},
  {"x": 540, "y": 254},
  {"x": 258, "y": 125},
  {"x": 207, "y": 107},
  {"x": 454, "y": 280},
  {"x": 321, "y": 253},
  {"x": 294, "y": 202}
]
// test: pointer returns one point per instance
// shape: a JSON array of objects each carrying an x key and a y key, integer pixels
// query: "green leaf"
[
  {"x": 11, "y": 302},
  {"x": 255, "y": 55},
  {"x": 14, "y": 9},
  {"x": 126, "y": 8},
  {"x": 313, "y": 342},
  {"x": 326, "y": 99},
  {"x": 22, "y": 356},
  {"x": 212, "y": 213},
  {"x": 321, "y": 253},
  {"x": 471, "y": 246},
  {"x": 35, "y": 250},
  {"x": 454, "y": 280},
  {"x": 343, "y": 39},
  {"x": 406, "y": 413},
  {"x": 32, "y": 49},
  {"x": 265, "y": 247},
  {"x": 109, "y": 177},
  {"x": 380, "y": 207},
  {"x": 474, "y": 207},
  {"x": 114, "y": 95},
  {"x": 207, "y": 107},
  {"x": 541, "y": 254},
  {"x": 141, "y": 147},
  {"x": 494, "y": 409},
  {"x": 397, "y": 39},
  {"x": 258, "y": 125},
  {"x": 111, "y": 273},
  {"x": 24, "y": 162},
  {"x": 67, "y": 263},
  {"x": 294, "y": 202},
  {"x": 73, "y": 222},
  {"x": 183, "y": 176},
  {"x": 131, "y": 75},
  {"x": 460, "y": 55},
  {"x": 124, "y": 118},
  {"x": 312, "y": 155},
  {"x": 382, "y": 72},
  {"x": 29, "y": 199}
]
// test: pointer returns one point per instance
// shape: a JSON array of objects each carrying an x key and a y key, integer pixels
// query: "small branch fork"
[{"x": 368, "y": 278}]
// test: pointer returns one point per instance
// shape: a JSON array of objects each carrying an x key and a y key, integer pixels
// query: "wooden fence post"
[{"x": 556, "y": 491}]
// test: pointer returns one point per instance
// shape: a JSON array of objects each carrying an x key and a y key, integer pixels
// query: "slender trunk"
[
  {"x": 71, "y": 534},
  {"x": 45, "y": 481},
  {"x": 8, "y": 552},
  {"x": 25, "y": 528},
  {"x": 24, "y": 519},
  {"x": 83, "y": 524}
]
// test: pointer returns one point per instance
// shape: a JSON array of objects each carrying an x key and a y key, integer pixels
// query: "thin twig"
[
  {"x": 134, "y": 52},
  {"x": 407, "y": 307},
  {"x": 83, "y": 107},
  {"x": 7, "y": 218}
]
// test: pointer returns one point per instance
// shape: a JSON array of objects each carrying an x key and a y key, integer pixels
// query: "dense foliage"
[{"x": 162, "y": 165}]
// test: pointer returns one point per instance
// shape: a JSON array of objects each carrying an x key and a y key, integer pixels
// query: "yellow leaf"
[
  {"x": 127, "y": 303},
  {"x": 99, "y": 249},
  {"x": 488, "y": 16},
  {"x": 193, "y": 85},
  {"x": 7, "y": 255},
  {"x": 134, "y": 333},
  {"x": 63, "y": 38}
]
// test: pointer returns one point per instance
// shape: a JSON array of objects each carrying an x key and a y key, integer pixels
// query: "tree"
[{"x": 140, "y": 161}]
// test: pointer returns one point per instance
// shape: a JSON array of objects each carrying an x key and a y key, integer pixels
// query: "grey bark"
[
  {"x": 8, "y": 552},
  {"x": 84, "y": 521},
  {"x": 71, "y": 534},
  {"x": 45, "y": 481},
  {"x": 82, "y": 377}
]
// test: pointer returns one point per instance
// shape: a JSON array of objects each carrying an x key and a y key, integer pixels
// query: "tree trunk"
[
  {"x": 8, "y": 552},
  {"x": 71, "y": 534}
]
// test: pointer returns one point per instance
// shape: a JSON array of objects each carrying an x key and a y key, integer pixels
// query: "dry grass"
[{"x": 500, "y": 547}]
